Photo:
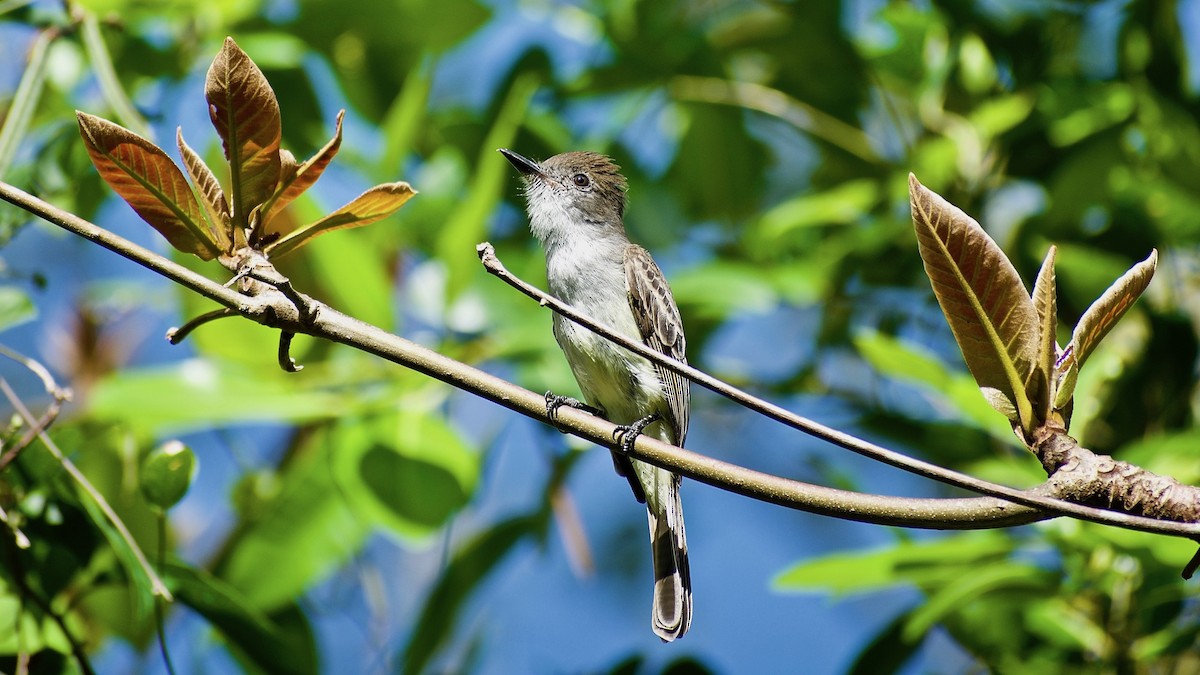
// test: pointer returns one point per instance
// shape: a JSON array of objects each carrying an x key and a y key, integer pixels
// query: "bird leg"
[
  {"x": 626, "y": 434},
  {"x": 554, "y": 402}
]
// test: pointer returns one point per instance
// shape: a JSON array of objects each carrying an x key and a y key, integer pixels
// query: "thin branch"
[
  {"x": 57, "y": 397},
  {"x": 177, "y": 335},
  {"x": 272, "y": 308},
  {"x": 1038, "y": 499}
]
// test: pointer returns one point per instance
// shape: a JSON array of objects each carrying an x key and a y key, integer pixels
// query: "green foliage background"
[{"x": 767, "y": 147}]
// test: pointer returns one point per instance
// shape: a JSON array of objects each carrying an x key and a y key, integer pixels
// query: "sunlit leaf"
[
  {"x": 862, "y": 571},
  {"x": 1045, "y": 303},
  {"x": 201, "y": 393},
  {"x": 296, "y": 178},
  {"x": 908, "y": 363},
  {"x": 15, "y": 307},
  {"x": 211, "y": 194},
  {"x": 266, "y": 642},
  {"x": 467, "y": 223},
  {"x": 145, "y": 177},
  {"x": 980, "y": 294},
  {"x": 1108, "y": 309},
  {"x": 376, "y": 203},
  {"x": 24, "y": 102},
  {"x": 245, "y": 112}
]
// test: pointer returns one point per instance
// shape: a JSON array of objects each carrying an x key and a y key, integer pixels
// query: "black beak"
[{"x": 526, "y": 166}]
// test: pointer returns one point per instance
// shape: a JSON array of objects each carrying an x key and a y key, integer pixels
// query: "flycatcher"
[{"x": 576, "y": 202}]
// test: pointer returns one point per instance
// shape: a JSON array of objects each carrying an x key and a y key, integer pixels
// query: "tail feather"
[{"x": 672, "y": 609}]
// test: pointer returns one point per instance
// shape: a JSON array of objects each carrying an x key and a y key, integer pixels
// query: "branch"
[
  {"x": 274, "y": 309},
  {"x": 57, "y": 396},
  {"x": 1032, "y": 498}
]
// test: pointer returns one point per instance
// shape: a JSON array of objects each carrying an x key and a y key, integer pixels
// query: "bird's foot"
[
  {"x": 626, "y": 434},
  {"x": 554, "y": 402}
]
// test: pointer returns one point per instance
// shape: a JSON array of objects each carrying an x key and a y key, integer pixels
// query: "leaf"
[
  {"x": 1108, "y": 309},
  {"x": 908, "y": 363},
  {"x": 995, "y": 577},
  {"x": 200, "y": 394},
  {"x": 981, "y": 295},
  {"x": 23, "y": 104},
  {"x": 1045, "y": 303},
  {"x": 299, "y": 536},
  {"x": 269, "y": 644},
  {"x": 145, "y": 177},
  {"x": 245, "y": 112},
  {"x": 296, "y": 178},
  {"x": 15, "y": 307},
  {"x": 375, "y": 204},
  {"x": 469, "y": 566},
  {"x": 408, "y": 471},
  {"x": 211, "y": 194},
  {"x": 940, "y": 560},
  {"x": 467, "y": 223}
]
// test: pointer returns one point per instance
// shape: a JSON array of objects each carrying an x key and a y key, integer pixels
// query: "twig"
[
  {"x": 487, "y": 256},
  {"x": 57, "y": 397},
  {"x": 177, "y": 335}
]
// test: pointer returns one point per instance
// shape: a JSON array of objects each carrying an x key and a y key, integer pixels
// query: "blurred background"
[{"x": 358, "y": 517}]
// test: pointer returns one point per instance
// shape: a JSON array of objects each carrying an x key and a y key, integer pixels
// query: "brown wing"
[{"x": 661, "y": 328}]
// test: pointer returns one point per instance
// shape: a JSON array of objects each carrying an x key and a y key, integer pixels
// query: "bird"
[{"x": 576, "y": 206}]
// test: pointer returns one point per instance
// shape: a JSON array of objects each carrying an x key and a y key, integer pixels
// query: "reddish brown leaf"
[
  {"x": 1108, "y": 309},
  {"x": 296, "y": 178},
  {"x": 209, "y": 188},
  {"x": 244, "y": 111},
  {"x": 378, "y": 202},
  {"x": 981, "y": 295},
  {"x": 145, "y": 177},
  {"x": 1045, "y": 303}
]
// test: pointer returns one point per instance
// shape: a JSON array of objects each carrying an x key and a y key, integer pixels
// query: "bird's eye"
[{"x": 581, "y": 180}]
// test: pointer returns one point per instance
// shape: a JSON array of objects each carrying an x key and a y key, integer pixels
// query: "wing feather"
[{"x": 661, "y": 327}]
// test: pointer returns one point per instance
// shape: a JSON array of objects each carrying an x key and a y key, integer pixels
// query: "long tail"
[{"x": 672, "y": 610}]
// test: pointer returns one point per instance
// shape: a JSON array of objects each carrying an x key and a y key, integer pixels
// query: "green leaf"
[
  {"x": 278, "y": 643},
  {"x": 403, "y": 119},
  {"x": 106, "y": 75},
  {"x": 467, "y": 224},
  {"x": 858, "y": 571},
  {"x": 145, "y": 177},
  {"x": 245, "y": 113},
  {"x": 959, "y": 592},
  {"x": 23, "y": 105},
  {"x": 843, "y": 204},
  {"x": 409, "y": 471},
  {"x": 15, "y": 307},
  {"x": 300, "y": 535},
  {"x": 469, "y": 566},
  {"x": 981, "y": 295},
  {"x": 201, "y": 394},
  {"x": 375, "y": 204},
  {"x": 908, "y": 363}
]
